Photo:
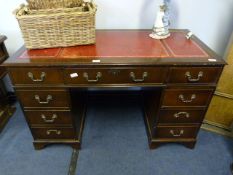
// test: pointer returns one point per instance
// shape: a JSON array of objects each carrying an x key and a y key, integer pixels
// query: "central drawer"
[
  {"x": 44, "y": 98},
  {"x": 115, "y": 75}
]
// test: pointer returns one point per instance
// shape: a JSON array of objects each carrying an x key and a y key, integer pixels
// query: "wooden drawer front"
[
  {"x": 176, "y": 132},
  {"x": 53, "y": 133},
  {"x": 181, "y": 116},
  {"x": 43, "y": 98},
  {"x": 39, "y": 117},
  {"x": 194, "y": 74},
  {"x": 187, "y": 97},
  {"x": 115, "y": 75},
  {"x": 36, "y": 76}
]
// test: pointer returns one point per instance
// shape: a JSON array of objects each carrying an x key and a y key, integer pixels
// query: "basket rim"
[
  {"x": 91, "y": 11},
  {"x": 40, "y": 3}
]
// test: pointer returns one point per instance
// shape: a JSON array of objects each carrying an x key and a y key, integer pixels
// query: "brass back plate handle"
[
  {"x": 179, "y": 114},
  {"x": 182, "y": 98},
  {"x": 144, "y": 75},
  {"x": 46, "y": 120},
  {"x": 190, "y": 79},
  {"x": 98, "y": 76},
  {"x": 181, "y": 132},
  {"x": 41, "y": 79},
  {"x": 58, "y": 132},
  {"x": 48, "y": 99}
]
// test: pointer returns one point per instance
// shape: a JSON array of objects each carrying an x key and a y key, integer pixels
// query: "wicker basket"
[
  {"x": 60, "y": 27},
  {"x": 50, "y": 4}
]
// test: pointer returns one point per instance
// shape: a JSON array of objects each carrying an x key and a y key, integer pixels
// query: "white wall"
[{"x": 210, "y": 20}]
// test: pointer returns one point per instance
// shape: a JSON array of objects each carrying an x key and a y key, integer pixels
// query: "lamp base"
[{"x": 156, "y": 36}]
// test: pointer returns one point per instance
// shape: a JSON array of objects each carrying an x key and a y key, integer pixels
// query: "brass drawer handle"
[
  {"x": 181, "y": 97},
  {"x": 49, "y": 120},
  {"x": 48, "y": 99},
  {"x": 144, "y": 75},
  {"x": 42, "y": 77},
  {"x": 58, "y": 132},
  {"x": 98, "y": 76},
  {"x": 177, "y": 134},
  {"x": 178, "y": 114},
  {"x": 190, "y": 79}
]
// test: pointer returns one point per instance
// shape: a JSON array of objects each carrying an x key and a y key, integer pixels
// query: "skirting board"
[{"x": 216, "y": 128}]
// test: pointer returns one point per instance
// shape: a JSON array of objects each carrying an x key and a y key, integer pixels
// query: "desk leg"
[
  {"x": 190, "y": 145},
  {"x": 38, "y": 145},
  {"x": 154, "y": 145}
]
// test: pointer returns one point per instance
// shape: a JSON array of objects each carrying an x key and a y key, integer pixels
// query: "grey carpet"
[
  {"x": 114, "y": 143},
  {"x": 18, "y": 157}
]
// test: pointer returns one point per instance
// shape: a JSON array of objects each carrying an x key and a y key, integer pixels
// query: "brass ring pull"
[
  {"x": 178, "y": 114},
  {"x": 42, "y": 77},
  {"x": 98, "y": 76},
  {"x": 190, "y": 79},
  {"x": 58, "y": 132},
  {"x": 181, "y": 97},
  {"x": 177, "y": 134},
  {"x": 49, "y": 120},
  {"x": 144, "y": 75},
  {"x": 48, "y": 99}
]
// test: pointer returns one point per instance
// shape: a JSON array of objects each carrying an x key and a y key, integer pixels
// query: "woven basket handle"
[
  {"x": 21, "y": 10},
  {"x": 91, "y": 6},
  {"x": 15, "y": 12}
]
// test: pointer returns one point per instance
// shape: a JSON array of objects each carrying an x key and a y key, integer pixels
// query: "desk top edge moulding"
[
  {"x": 177, "y": 78},
  {"x": 123, "y": 47}
]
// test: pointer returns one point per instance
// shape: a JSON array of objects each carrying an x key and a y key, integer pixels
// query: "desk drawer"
[
  {"x": 49, "y": 117},
  {"x": 53, "y": 133},
  {"x": 44, "y": 98},
  {"x": 181, "y": 116},
  {"x": 176, "y": 132},
  {"x": 36, "y": 75},
  {"x": 115, "y": 75},
  {"x": 194, "y": 75},
  {"x": 187, "y": 97}
]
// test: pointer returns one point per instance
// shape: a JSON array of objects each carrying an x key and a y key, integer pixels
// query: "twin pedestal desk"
[{"x": 176, "y": 76}]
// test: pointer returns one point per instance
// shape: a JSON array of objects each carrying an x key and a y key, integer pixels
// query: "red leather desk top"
[{"x": 124, "y": 44}]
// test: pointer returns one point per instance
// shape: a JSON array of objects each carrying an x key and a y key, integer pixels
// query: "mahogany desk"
[{"x": 181, "y": 73}]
